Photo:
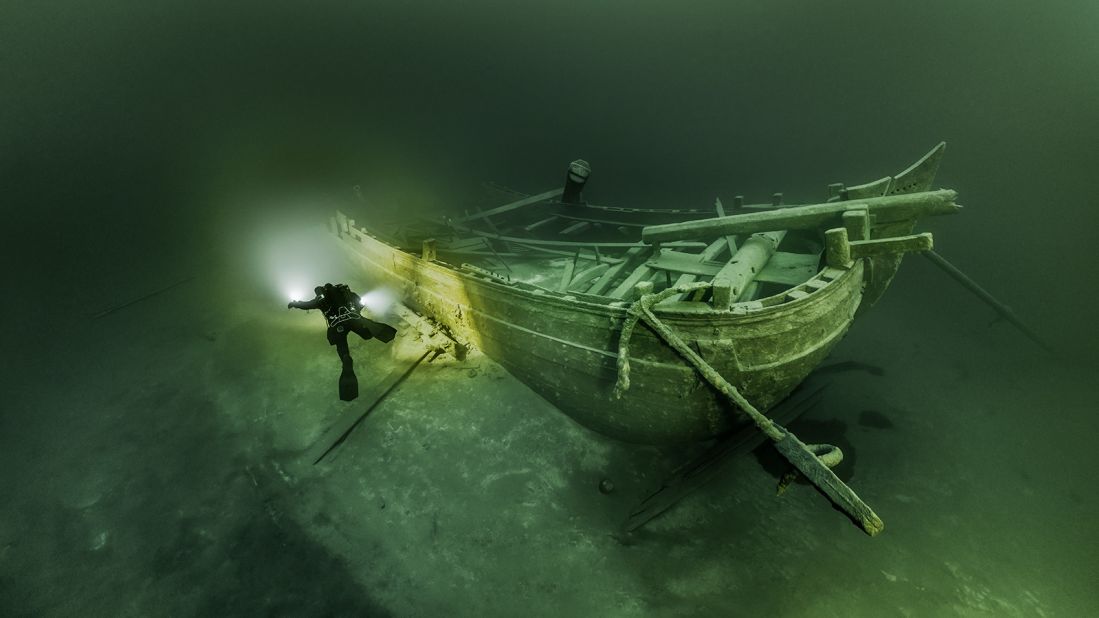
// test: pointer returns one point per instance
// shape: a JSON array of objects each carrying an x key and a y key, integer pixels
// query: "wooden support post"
[
  {"x": 857, "y": 223},
  {"x": 429, "y": 251},
  {"x": 837, "y": 248},
  {"x": 723, "y": 293}
]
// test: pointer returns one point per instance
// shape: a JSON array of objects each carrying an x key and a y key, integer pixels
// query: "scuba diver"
[{"x": 341, "y": 309}]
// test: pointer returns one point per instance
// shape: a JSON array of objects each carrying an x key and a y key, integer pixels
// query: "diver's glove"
[{"x": 290, "y": 305}]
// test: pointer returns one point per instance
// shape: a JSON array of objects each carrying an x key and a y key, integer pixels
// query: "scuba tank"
[{"x": 342, "y": 304}]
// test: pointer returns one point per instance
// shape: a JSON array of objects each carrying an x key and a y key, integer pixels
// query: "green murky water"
[{"x": 152, "y": 458}]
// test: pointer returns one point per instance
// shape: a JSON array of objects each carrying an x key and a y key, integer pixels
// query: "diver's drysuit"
[{"x": 341, "y": 309}]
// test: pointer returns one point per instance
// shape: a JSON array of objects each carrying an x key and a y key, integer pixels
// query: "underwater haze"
[{"x": 166, "y": 165}]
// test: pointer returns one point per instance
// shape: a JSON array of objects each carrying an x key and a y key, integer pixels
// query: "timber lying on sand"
[{"x": 753, "y": 299}]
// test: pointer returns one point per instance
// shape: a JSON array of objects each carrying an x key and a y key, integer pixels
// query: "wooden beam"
[
  {"x": 731, "y": 240},
  {"x": 566, "y": 274},
  {"x": 890, "y": 246},
  {"x": 971, "y": 285},
  {"x": 708, "y": 255},
  {"x": 540, "y": 223},
  {"x": 578, "y": 244},
  {"x": 575, "y": 227},
  {"x": 607, "y": 222},
  {"x": 586, "y": 276},
  {"x": 857, "y": 222},
  {"x": 740, "y": 271},
  {"x": 633, "y": 257},
  {"x": 815, "y": 216},
  {"x": 526, "y": 201},
  {"x": 489, "y": 221},
  {"x": 690, "y": 263},
  {"x": 476, "y": 242},
  {"x": 624, "y": 289},
  {"x": 584, "y": 256}
]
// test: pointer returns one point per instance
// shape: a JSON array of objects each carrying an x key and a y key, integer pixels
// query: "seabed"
[{"x": 174, "y": 480}]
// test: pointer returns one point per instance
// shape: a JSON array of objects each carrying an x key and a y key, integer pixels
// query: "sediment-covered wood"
[{"x": 816, "y": 216}]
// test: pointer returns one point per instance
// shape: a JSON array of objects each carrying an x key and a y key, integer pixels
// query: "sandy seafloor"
[{"x": 155, "y": 465}]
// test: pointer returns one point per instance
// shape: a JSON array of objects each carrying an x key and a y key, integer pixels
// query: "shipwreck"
[{"x": 738, "y": 304}]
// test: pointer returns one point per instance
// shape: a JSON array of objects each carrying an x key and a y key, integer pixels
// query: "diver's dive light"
[{"x": 378, "y": 301}]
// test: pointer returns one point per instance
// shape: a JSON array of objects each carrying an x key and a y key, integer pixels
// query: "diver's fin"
[
  {"x": 382, "y": 332},
  {"x": 349, "y": 385}
]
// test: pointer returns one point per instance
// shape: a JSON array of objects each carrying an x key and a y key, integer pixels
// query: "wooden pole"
[
  {"x": 793, "y": 449},
  {"x": 350, "y": 420},
  {"x": 811, "y": 217},
  {"x": 526, "y": 201},
  {"x": 742, "y": 268},
  {"x": 984, "y": 295}
]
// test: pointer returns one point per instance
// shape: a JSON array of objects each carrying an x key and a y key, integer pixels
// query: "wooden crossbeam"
[
  {"x": 710, "y": 253},
  {"x": 576, "y": 227},
  {"x": 624, "y": 289},
  {"x": 527, "y": 201},
  {"x": 540, "y": 223},
  {"x": 477, "y": 242},
  {"x": 566, "y": 274},
  {"x": 691, "y": 263},
  {"x": 608, "y": 222},
  {"x": 632, "y": 258},
  {"x": 816, "y": 216},
  {"x": 586, "y": 276}
]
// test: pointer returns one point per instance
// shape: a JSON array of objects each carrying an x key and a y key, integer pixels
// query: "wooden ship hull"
[{"x": 771, "y": 308}]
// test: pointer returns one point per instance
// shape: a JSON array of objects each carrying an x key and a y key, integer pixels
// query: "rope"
[{"x": 633, "y": 314}]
